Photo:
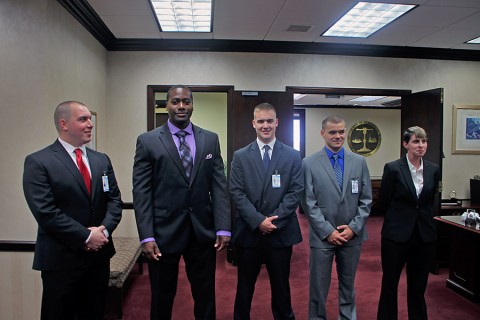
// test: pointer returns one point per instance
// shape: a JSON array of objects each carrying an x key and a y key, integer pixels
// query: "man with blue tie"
[
  {"x": 266, "y": 185},
  {"x": 337, "y": 201}
]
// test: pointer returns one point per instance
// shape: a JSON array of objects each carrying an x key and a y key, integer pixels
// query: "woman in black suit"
[{"x": 408, "y": 189}]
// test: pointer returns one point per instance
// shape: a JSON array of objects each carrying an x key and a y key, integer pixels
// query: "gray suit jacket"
[
  {"x": 167, "y": 204},
  {"x": 254, "y": 197},
  {"x": 327, "y": 206}
]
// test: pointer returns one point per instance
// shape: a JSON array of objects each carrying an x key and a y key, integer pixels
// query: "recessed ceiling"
[
  {"x": 445, "y": 24},
  {"x": 339, "y": 100}
]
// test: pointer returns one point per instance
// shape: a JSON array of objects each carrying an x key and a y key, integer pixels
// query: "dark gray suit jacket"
[
  {"x": 399, "y": 203},
  {"x": 168, "y": 204},
  {"x": 58, "y": 198},
  {"x": 254, "y": 197}
]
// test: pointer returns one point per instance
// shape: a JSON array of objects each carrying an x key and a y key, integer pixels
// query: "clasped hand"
[
  {"x": 267, "y": 226},
  {"x": 340, "y": 236},
  {"x": 97, "y": 239}
]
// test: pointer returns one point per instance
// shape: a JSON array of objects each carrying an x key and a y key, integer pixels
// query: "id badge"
[
  {"x": 105, "y": 185},
  {"x": 355, "y": 186},
  {"x": 276, "y": 183}
]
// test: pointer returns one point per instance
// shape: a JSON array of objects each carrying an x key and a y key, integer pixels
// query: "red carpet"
[{"x": 442, "y": 303}]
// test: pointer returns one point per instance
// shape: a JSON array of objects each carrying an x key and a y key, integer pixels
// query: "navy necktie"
[
  {"x": 338, "y": 171},
  {"x": 266, "y": 157},
  {"x": 185, "y": 152}
]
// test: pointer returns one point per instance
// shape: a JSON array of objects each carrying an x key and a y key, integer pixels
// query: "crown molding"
[{"x": 84, "y": 13}]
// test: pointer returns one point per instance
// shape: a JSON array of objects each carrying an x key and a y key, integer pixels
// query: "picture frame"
[
  {"x": 93, "y": 142},
  {"x": 466, "y": 129}
]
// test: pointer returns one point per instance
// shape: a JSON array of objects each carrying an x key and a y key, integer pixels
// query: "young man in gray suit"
[
  {"x": 266, "y": 194},
  {"x": 73, "y": 194},
  {"x": 181, "y": 205},
  {"x": 337, "y": 201}
]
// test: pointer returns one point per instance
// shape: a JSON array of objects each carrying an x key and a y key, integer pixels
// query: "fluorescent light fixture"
[
  {"x": 476, "y": 40},
  {"x": 183, "y": 15},
  {"x": 366, "y": 98},
  {"x": 366, "y": 18},
  {"x": 298, "y": 96}
]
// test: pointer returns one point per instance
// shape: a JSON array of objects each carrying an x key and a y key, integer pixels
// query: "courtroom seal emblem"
[{"x": 364, "y": 138}]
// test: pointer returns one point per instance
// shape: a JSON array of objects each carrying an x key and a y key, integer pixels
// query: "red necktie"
[{"x": 83, "y": 170}]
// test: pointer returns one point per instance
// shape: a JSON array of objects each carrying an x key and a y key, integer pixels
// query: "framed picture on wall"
[
  {"x": 466, "y": 129},
  {"x": 93, "y": 143}
]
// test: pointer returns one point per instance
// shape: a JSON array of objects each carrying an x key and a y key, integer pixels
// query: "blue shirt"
[{"x": 341, "y": 157}]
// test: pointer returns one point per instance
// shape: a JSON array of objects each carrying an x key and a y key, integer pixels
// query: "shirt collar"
[
  {"x": 70, "y": 148},
  {"x": 412, "y": 167},
  {"x": 261, "y": 144},
  {"x": 173, "y": 129},
  {"x": 330, "y": 153}
]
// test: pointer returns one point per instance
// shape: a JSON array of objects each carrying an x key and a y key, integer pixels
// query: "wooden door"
[{"x": 425, "y": 109}]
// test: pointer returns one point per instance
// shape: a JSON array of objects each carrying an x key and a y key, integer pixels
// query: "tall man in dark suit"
[
  {"x": 76, "y": 216},
  {"x": 266, "y": 194},
  {"x": 338, "y": 196},
  {"x": 407, "y": 194},
  {"x": 181, "y": 206}
]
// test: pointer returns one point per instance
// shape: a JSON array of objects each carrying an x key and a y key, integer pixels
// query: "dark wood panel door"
[{"x": 425, "y": 109}]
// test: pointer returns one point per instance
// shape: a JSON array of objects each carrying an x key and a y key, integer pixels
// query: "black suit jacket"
[
  {"x": 254, "y": 197},
  {"x": 400, "y": 205},
  {"x": 58, "y": 198},
  {"x": 168, "y": 204}
]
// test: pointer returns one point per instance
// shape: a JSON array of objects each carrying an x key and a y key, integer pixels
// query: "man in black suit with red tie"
[
  {"x": 76, "y": 214},
  {"x": 181, "y": 206}
]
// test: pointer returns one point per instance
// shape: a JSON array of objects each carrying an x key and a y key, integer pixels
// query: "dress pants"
[
  {"x": 321, "y": 260},
  {"x": 416, "y": 255},
  {"x": 75, "y": 294},
  {"x": 200, "y": 264},
  {"x": 277, "y": 261}
]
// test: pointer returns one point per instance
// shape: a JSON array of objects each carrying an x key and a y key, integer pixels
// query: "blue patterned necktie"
[
  {"x": 338, "y": 171},
  {"x": 185, "y": 152},
  {"x": 266, "y": 157}
]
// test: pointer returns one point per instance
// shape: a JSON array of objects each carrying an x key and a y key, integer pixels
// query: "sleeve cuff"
[
  {"x": 147, "y": 240},
  {"x": 224, "y": 233}
]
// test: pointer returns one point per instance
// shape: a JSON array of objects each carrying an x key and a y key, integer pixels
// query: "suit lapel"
[
  {"x": 347, "y": 169},
  {"x": 257, "y": 161},
  {"x": 71, "y": 167},
  {"x": 407, "y": 176},
  {"x": 166, "y": 139},
  {"x": 94, "y": 164},
  {"x": 276, "y": 155},
  {"x": 199, "y": 150},
  {"x": 327, "y": 166}
]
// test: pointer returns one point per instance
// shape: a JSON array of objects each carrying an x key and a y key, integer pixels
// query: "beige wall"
[
  {"x": 131, "y": 72},
  {"x": 47, "y": 57}
]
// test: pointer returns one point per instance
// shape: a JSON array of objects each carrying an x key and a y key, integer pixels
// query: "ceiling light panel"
[
  {"x": 476, "y": 40},
  {"x": 366, "y": 18},
  {"x": 183, "y": 15}
]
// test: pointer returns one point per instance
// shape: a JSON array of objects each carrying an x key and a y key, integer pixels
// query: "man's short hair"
[
  {"x": 179, "y": 86},
  {"x": 64, "y": 111},
  {"x": 265, "y": 106},
  {"x": 332, "y": 119}
]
